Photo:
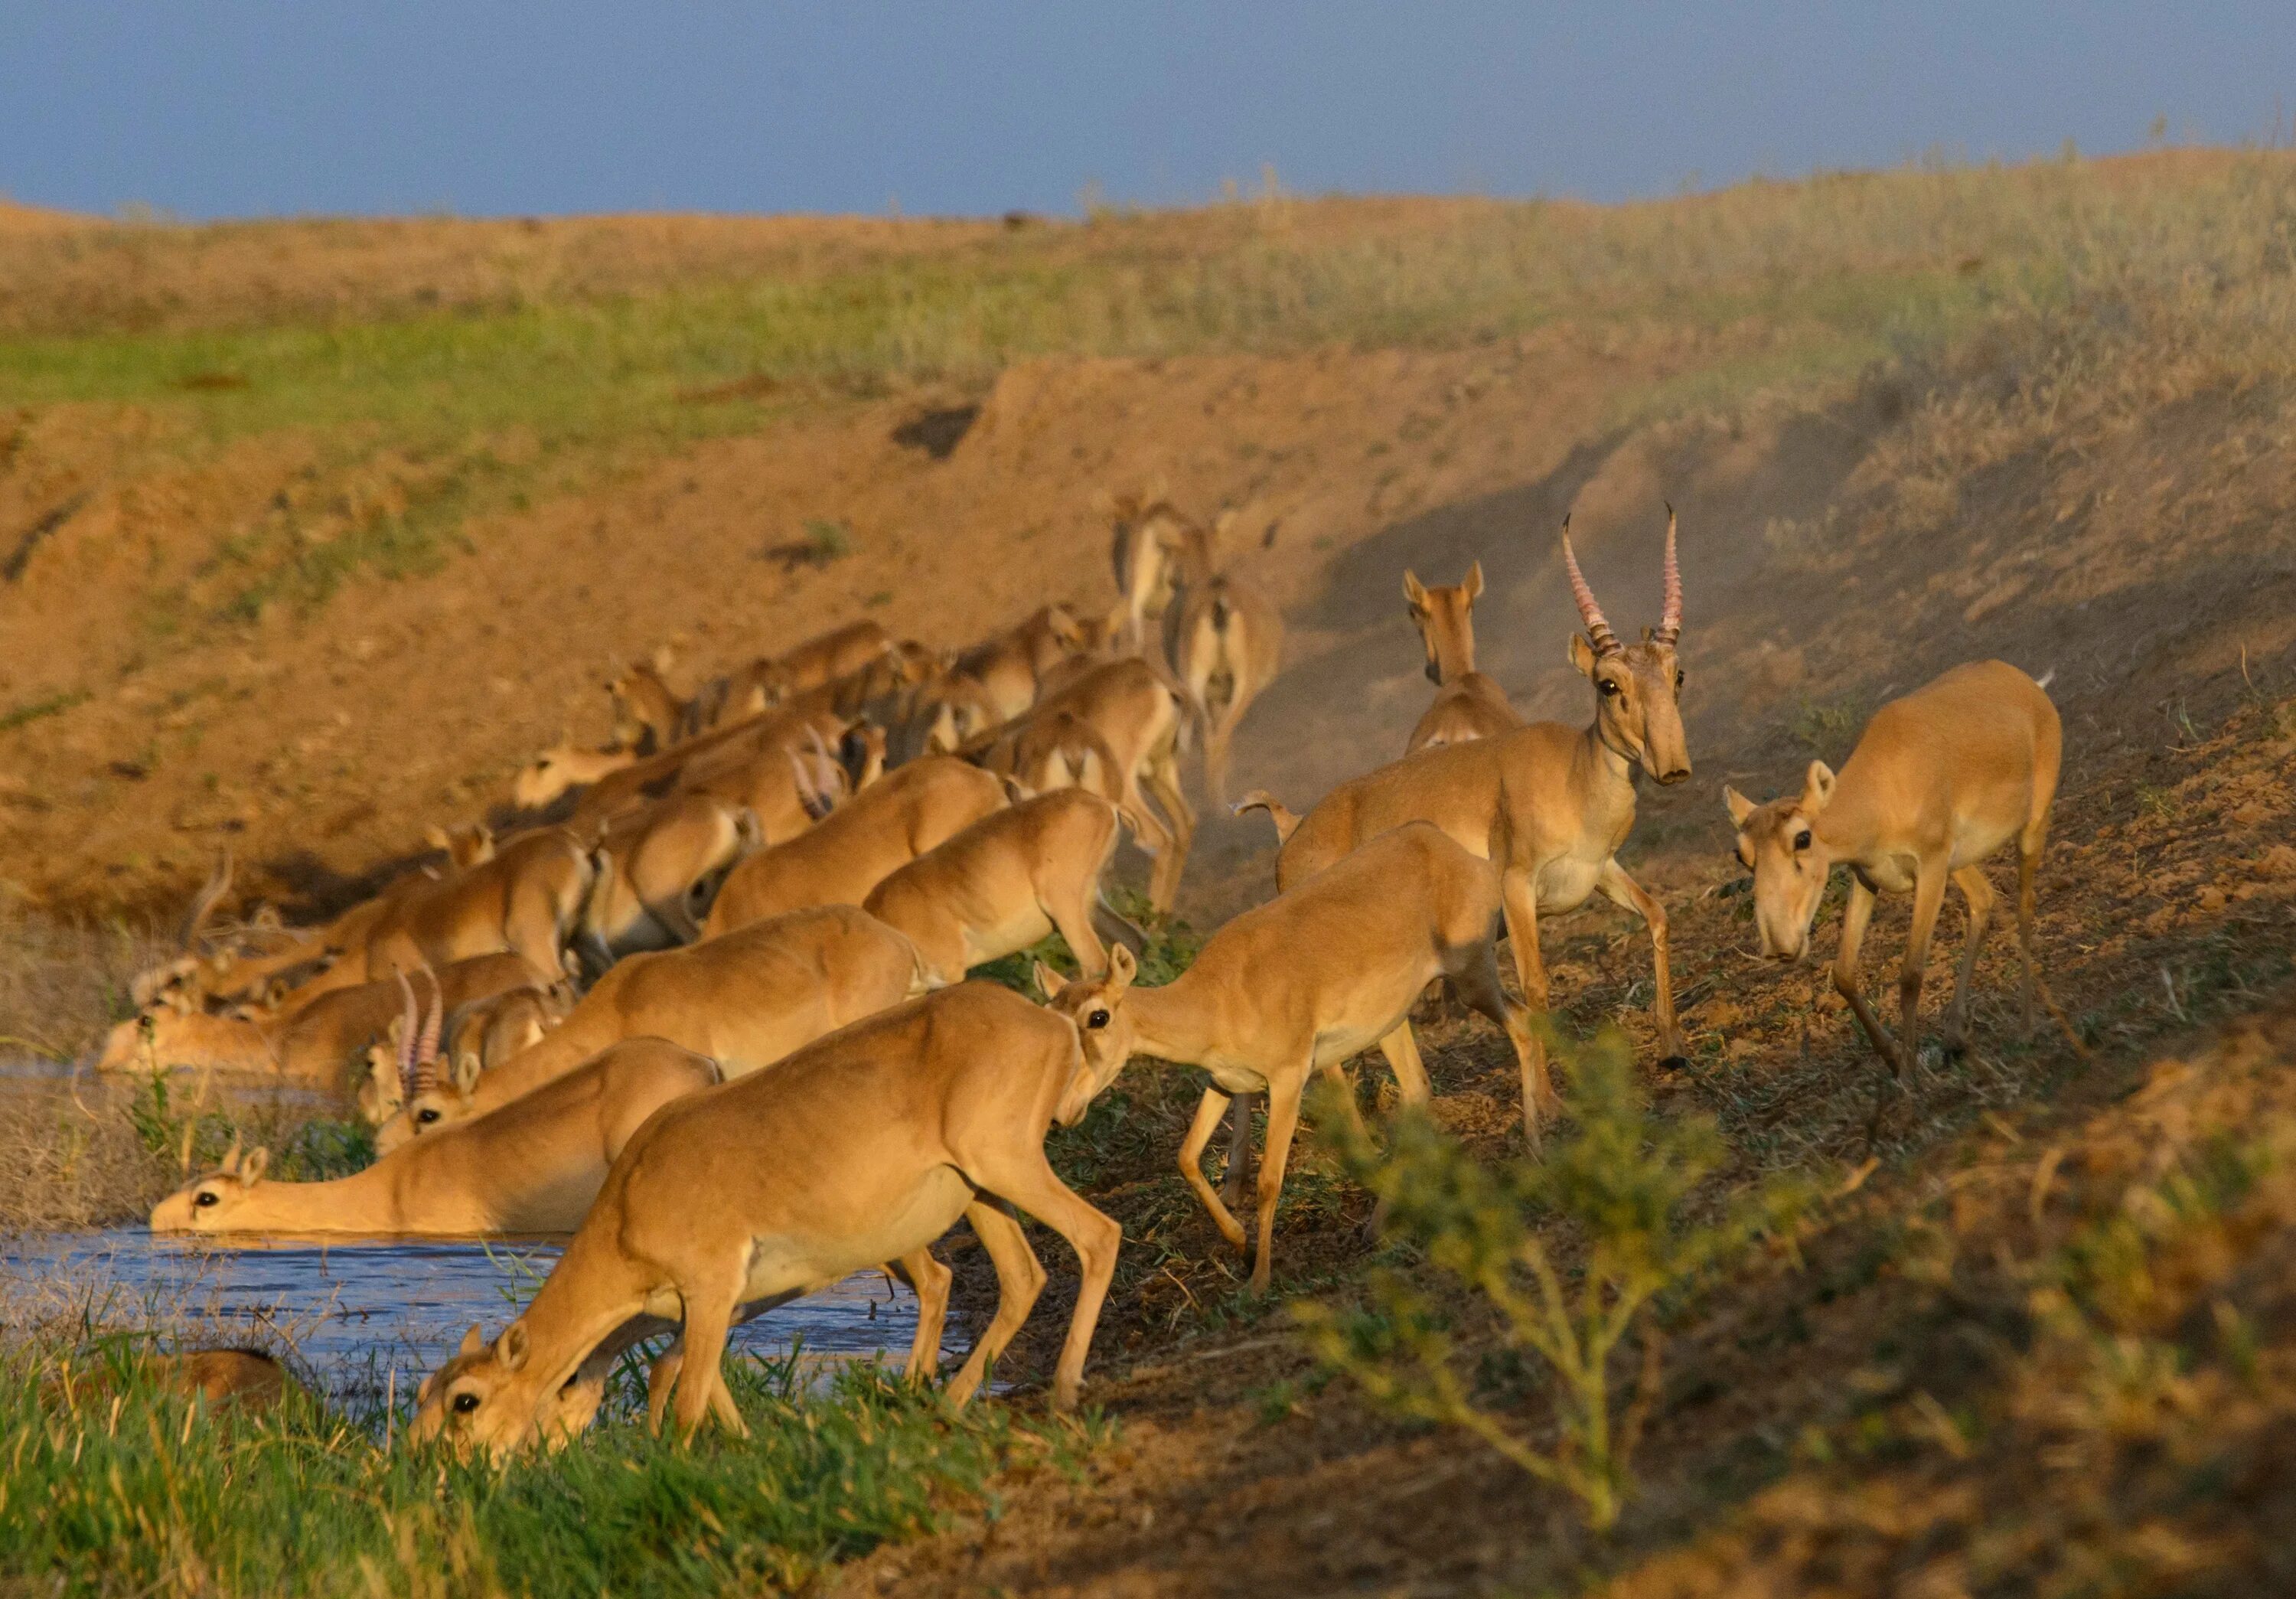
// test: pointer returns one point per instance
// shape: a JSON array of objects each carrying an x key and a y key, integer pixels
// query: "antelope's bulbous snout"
[{"x": 1668, "y": 776}]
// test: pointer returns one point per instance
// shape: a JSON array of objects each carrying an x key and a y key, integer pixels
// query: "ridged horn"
[
  {"x": 1670, "y": 620},
  {"x": 1605, "y": 642},
  {"x": 203, "y": 903}
]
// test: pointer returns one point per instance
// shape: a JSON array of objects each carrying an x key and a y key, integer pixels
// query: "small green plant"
[
  {"x": 194, "y": 1137},
  {"x": 40, "y": 710},
  {"x": 827, "y": 541},
  {"x": 1825, "y": 731},
  {"x": 2157, "y": 803},
  {"x": 1622, "y": 1181}
]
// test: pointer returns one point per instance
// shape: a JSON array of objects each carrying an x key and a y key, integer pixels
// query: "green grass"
[
  {"x": 40, "y": 710},
  {"x": 148, "y": 1492}
]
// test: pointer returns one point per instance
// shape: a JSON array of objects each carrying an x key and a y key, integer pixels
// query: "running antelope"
[
  {"x": 1151, "y": 539},
  {"x": 1470, "y": 705},
  {"x": 320, "y": 1044},
  {"x": 1547, "y": 803},
  {"x": 745, "y": 999},
  {"x": 856, "y": 848},
  {"x": 1010, "y": 668},
  {"x": 866, "y": 1147},
  {"x": 1940, "y": 780},
  {"x": 1011, "y": 878},
  {"x": 531, "y": 1167},
  {"x": 1298, "y": 986}
]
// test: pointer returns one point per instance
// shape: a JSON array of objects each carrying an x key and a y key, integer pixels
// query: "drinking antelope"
[
  {"x": 866, "y": 1146},
  {"x": 1549, "y": 804},
  {"x": 1299, "y": 985},
  {"x": 1470, "y": 705},
  {"x": 533, "y": 1166},
  {"x": 1940, "y": 780}
]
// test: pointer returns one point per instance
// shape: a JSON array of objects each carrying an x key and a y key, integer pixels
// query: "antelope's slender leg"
[
  {"x": 1164, "y": 787},
  {"x": 1028, "y": 1180},
  {"x": 708, "y": 1318},
  {"x": 1019, "y": 1279},
  {"x": 1283, "y": 1121},
  {"x": 1239, "y": 1148},
  {"x": 1929, "y": 898},
  {"x": 1520, "y": 905},
  {"x": 1402, "y": 1051},
  {"x": 1854, "y": 920},
  {"x": 1476, "y": 983},
  {"x": 930, "y": 1280},
  {"x": 1972, "y": 881},
  {"x": 1621, "y": 889},
  {"x": 1209, "y": 1112}
]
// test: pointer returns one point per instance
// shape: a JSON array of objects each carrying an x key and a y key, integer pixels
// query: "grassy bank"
[{"x": 117, "y": 1485}]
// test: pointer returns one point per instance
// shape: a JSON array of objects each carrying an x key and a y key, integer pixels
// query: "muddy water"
[{"x": 370, "y": 1318}]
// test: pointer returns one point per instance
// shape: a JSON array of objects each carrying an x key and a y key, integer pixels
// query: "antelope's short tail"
[{"x": 1286, "y": 823}]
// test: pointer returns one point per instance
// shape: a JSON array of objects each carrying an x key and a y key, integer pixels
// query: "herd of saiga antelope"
[{"x": 795, "y": 869}]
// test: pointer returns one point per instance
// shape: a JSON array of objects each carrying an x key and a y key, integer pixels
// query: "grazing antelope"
[
  {"x": 746, "y": 999},
  {"x": 528, "y": 900},
  {"x": 856, "y": 848},
  {"x": 1470, "y": 705},
  {"x": 656, "y": 874},
  {"x": 1135, "y": 717},
  {"x": 866, "y": 1146},
  {"x": 533, "y": 1166},
  {"x": 1009, "y": 878},
  {"x": 1299, "y": 985},
  {"x": 1548, "y": 804},
  {"x": 320, "y": 1044},
  {"x": 1225, "y": 640},
  {"x": 1940, "y": 781}
]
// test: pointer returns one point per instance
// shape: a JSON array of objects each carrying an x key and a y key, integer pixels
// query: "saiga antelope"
[
  {"x": 528, "y": 900},
  {"x": 1225, "y": 640},
  {"x": 1011, "y": 666},
  {"x": 319, "y": 1043},
  {"x": 1299, "y": 985},
  {"x": 534, "y": 1166},
  {"x": 866, "y": 1146},
  {"x": 1150, "y": 540},
  {"x": 745, "y": 999},
  {"x": 1137, "y": 715},
  {"x": 1941, "y": 779},
  {"x": 859, "y": 845},
  {"x": 1009, "y": 878},
  {"x": 1470, "y": 705},
  {"x": 655, "y": 877},
  {"x": 648, "y": 714},
  {"x": 1548, "y": 804},
  {"x": 563, "y": 768}
]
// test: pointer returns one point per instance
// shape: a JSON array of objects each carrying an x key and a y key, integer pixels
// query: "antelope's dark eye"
[
  {"x": 204, "y": 1198},
  {"x": 1608, "y": 686},
  {"x": 1097, "y": 1019},
  {"x": 465, "y": 1403},
  {"x": 426, "y": 1117},
  {"x": 1678, "y": 680},
  {"x": 1801, "y": 839}
]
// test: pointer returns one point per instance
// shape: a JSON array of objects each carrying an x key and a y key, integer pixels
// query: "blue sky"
[{"x": 213, "y": 108}]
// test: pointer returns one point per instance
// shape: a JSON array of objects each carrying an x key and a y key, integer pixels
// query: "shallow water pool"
[{"x": 372, "y": 1319}]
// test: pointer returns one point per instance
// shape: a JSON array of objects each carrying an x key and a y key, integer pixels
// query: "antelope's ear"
[
  {"x": 466, "y": 1072},
  {"x": 1816, "y": 789},
  {"x": 473, "y": 1340},
  {"x": 1123, "y": 966},
  {"x": 1474, "y": 583},
  {"x": 1049, "y": 982},
  {"x": 1582, "y": 655},
  {"x": 511, "y": 1348},
  {"x": 436, "y": 837},
  {"x": 1741, "y": 807},
  {"x": 1414, "y": 590},
  {"x": 251, "y": 1168}
]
